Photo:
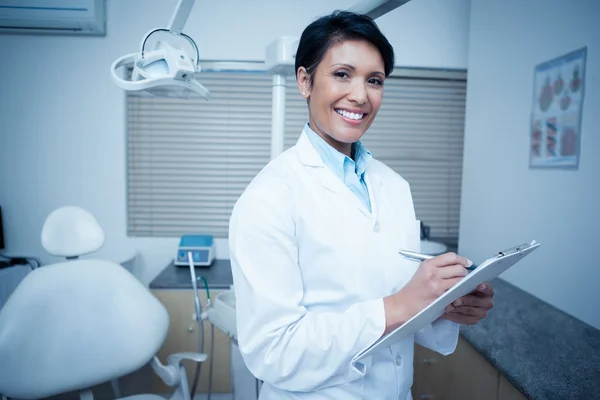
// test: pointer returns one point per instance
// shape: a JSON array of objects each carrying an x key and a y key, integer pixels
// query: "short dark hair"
[{"x": 335, "y": 28}]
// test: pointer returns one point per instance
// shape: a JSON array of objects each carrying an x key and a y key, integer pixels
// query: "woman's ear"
[{"x": 303, "y": 78}]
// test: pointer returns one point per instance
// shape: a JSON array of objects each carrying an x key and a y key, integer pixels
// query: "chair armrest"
[
  {"x": 168, "y": 373},
  {"x": 173, "y": 374},
  {"x": 175, "y": 359}
]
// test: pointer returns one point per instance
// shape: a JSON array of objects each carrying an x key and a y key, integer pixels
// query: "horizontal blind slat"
[
  {"x": 419, "y": 133},
  {"x": 190, "y": 159}
]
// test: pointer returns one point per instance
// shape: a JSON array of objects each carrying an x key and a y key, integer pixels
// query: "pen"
[{"x": 423, "y": 257}]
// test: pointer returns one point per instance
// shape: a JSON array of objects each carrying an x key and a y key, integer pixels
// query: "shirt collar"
[
  {"x": 336, "y": 160},
  {"x": 362, "y": 156}
]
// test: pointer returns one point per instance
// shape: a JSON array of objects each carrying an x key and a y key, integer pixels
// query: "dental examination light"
[{"x": 165, "y": 68}]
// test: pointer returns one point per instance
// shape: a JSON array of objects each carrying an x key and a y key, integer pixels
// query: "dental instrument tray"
[{"x": 202, "y": 248}]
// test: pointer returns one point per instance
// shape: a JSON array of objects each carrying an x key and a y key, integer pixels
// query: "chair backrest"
[
  {"x": 72, "y": 325},
  {"x": 71, "y": 232}
]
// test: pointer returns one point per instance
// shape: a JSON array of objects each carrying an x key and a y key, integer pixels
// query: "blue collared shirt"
[{"x": 351, "y": 172}]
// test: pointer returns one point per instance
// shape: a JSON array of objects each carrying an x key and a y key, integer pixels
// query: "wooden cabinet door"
[
  {"x": 430, "y": 374},
  {"x": 506, "y": 391},
  {"x": 184, "y": 335},
  {"x": 462, "y": 375}
]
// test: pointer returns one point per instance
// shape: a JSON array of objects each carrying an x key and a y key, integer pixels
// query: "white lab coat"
[{"x": 311, "y": 266}]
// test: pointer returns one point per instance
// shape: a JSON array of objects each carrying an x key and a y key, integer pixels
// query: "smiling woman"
[
  {"x": 340, "y": 70},
  {"x": 314, "y": 240},
  {"x": 346, "y": 93}
]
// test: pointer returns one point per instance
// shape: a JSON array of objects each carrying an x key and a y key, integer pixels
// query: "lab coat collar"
[
  {"x": 337, "y": 161},
  {"x": 309, "y": 157}
]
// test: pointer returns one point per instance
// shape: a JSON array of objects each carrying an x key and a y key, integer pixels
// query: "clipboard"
[{"x": 486, "y": 271}]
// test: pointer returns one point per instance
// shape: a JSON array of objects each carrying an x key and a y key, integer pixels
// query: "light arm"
[
  {"x": 377, "y": 8},
  {"x": 180, "y": 16}
]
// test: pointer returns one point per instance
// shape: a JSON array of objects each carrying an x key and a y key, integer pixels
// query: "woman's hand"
[
  {"x": 469, "y": 309},
  {"x": 433, "y": 278}
]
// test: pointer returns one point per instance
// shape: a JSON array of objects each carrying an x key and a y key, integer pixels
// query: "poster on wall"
[{"x": 558, "y": 91}]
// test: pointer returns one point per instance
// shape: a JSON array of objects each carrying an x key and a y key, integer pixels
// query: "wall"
[
  {"x": 504, "y": 202},
  {"x": 62, "y": 120}
]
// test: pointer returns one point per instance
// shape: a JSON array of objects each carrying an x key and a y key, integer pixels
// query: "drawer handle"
[
  {"x": 429, "y": 361},
  {"x": 427, "y": 396}
]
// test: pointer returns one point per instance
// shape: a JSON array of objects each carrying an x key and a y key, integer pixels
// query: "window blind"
[
  {"x": 418, "y": 132},
  {"x": 190, "y": 159}
]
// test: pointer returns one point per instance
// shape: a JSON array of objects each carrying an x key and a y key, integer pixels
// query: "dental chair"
[{"x": 73, "y": 325}]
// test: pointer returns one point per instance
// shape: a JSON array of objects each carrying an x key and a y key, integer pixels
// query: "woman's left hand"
[{"x": 469, "y": 309}]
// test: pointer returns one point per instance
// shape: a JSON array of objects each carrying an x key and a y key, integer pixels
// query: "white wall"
[
  {"x": 62, "y": 121},
  {"x": 504, "y": 203}
]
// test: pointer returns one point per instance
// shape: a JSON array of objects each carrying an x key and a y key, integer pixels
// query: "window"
[{"x": 189, "y": 160}]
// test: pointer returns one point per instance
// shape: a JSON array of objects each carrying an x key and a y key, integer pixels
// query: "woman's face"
[{"x": 346, "y": 92}]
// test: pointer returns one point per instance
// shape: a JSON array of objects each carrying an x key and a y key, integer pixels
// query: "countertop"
[
  {"x": 218, "y": 276},
  {"x": 544, "y": 352}
]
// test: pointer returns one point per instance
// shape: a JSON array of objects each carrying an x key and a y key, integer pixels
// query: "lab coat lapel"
[
  {"x": 374, "y": 187},
  {"x": 309, "y": 157}
]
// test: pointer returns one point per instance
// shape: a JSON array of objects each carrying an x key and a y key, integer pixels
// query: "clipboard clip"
[{"x": 516, "y": 249}]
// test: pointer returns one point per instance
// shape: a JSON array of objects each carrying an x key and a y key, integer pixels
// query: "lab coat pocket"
[
  {"x": 410, "y": 239},
  {"x": 413, "y": 236}
]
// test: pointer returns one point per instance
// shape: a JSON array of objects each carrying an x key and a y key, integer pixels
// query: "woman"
[{"x": 314, "y": 240}]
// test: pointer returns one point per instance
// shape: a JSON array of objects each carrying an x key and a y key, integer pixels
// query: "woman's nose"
[{"x": 358, "y": 93}]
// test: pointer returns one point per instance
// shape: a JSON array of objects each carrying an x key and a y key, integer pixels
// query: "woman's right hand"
[{"x": 432, "y": 279}]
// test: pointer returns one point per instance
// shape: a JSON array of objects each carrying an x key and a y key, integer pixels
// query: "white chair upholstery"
[
  {"x": 76, "y": 324},
  {"x": 73, "y": 325}
]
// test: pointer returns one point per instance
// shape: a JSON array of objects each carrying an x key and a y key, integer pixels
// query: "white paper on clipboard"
[{"x": 485, "y": 272}]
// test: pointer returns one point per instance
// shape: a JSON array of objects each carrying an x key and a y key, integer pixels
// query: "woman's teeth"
[{"x": 350, "y": 114}]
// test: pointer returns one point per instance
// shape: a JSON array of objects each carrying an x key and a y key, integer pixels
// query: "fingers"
[
  {"x": 486, "y": 289},
  {"x": 449, "y": 259},
  {"x": 474, "y": 301},
  {"x": 470, "y": 311},
  {"x": 452, "y": 271}
]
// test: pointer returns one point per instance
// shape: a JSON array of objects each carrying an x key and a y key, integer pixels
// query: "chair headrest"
[{"x": 71, "y": 232}]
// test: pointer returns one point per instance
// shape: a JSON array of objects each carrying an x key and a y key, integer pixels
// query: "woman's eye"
[
  {"x": 341, "y": 74},
  {"x": 376, "y": 81}
]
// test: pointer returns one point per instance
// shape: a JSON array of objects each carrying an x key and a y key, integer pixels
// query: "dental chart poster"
[{"x": 558, "y": 91}]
